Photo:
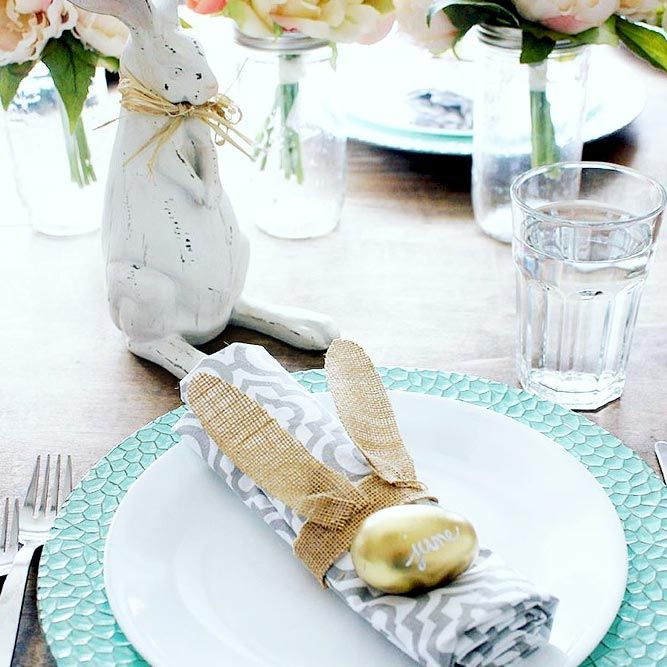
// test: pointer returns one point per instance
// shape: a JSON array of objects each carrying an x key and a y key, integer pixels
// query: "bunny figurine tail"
[{"x": 305, "y": 329}]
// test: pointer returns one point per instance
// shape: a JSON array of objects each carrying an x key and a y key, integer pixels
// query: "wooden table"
[{"x": 408, "y": 275}]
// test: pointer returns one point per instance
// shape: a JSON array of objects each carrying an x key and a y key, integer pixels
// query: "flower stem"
[
  {"x": 291, "y": 145},
  {"x": 287, "y": 93},
  {"x": 543, "y": 135},
  {"x": 83, "y": 152},
  {"x": 78, "y": 152}
]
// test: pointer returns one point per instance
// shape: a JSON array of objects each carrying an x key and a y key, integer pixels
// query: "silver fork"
[
  {"x": 9, "y": 536},
  {"x": 35, "y": 524}
]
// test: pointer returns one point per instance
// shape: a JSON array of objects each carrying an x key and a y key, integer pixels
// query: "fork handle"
[{"x": 11, "y": 602}]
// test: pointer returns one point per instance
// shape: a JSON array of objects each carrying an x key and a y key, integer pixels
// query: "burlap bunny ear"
[
  {"x": 280, "y": 465},
  {"x": 364, "y": 409}
]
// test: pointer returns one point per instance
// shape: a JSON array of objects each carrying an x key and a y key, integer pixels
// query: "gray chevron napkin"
[{"x": 490, "y": 616}]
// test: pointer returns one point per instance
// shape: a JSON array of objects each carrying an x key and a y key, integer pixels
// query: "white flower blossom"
[
  {"x": 103, "y": 33},
  {"x": 568, "y": 16},
  {"x": 411, "y": 19}
]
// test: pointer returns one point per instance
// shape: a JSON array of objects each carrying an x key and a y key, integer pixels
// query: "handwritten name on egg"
[
  {"x": 406, "y": 548},
  {"x": 429, "y": 545}
]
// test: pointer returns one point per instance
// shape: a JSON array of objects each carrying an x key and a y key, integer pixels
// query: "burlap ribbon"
[
  {"x": 279, "y": 464},
  {"x": 219, "y": 113}
]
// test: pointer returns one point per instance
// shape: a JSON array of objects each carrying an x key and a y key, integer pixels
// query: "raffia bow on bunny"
[
  {"x": 413, "y": 552},
  {"x": 176, "y": 260},
  {"x": 219, "y": 113}
]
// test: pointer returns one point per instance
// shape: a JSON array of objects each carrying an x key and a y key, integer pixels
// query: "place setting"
[
  {"x": 177, "y": 569},
  {"x": 302, "y": 500}
]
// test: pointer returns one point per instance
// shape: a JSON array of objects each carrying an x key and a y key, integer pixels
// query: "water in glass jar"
[{"x": 578, "y": 293}]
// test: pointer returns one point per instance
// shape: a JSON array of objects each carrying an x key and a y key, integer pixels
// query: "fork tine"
[
  {"x": 68, "y": 476},
  {"x": 3, "y": 543},
  {"x": 14, "y": 537},
  {"x": 45, "y": 485},
  {"x": 31, "y": 495},
  {"x": 55, "y": 487}
]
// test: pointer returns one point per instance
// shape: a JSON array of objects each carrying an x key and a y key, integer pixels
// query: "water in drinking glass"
[
  {"x": 581, "y": 265},
  {"x": 578, "y": 293}
]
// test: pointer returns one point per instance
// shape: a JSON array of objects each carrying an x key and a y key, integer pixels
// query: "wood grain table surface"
[{"x": 407, "y": 274}]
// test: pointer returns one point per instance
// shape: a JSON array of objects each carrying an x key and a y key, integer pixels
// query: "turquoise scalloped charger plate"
[{"x": 80, "y": 628}]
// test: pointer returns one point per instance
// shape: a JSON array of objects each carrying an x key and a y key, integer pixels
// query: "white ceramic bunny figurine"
[{"x": 176, "y": 260}]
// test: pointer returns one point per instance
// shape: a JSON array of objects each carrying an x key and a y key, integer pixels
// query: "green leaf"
[
  {"x": 605, "y": 34},
  {"x": 538, "y": 41},
  {"x": 235, "y": 10},
  {"x": 464, "y": 14},
  {"x": 540, "y": 32},
  {"x": 10, "y": 80},
  {"x": 184, "y": 24},
  {"x": 648, "y": 43},
  {"x": 535, "y": 49},
  {"x": 108, "y": 62},
  {"x": 72, "y": 67},
  {"x": 543, "y": 134}
]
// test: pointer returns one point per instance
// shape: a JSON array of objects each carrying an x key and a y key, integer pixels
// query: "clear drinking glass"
[{"x": 584, "y": 235}]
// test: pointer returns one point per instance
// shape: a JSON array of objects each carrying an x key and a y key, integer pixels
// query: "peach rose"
[
  {"x": 333, "y": 20},
  {"x": 411, "y": 19},
  {"x": 102, "y": 33},
  {"x": 27, "y": 25},
  {"x": 382, "y": 29},
  {"x": 207, "y": 6},
  {"x": 568, "y": 16}
]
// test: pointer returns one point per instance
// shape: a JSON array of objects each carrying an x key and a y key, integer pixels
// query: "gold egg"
[{"x": 410, "y": 547}]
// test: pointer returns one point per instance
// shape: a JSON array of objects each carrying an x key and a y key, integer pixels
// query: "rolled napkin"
[{"x": 489, "y": 616}]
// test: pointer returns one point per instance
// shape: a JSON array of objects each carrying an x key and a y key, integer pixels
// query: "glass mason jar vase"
[
  {"x": 286, "y": 89},
  {"x": 524, "y": 116},
  {"x": 59, "y": 176}
]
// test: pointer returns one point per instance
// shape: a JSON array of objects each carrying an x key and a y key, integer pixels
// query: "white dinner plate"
[
  {"x": 195, "y": 578},
  {"x": 386, "y": 114}
]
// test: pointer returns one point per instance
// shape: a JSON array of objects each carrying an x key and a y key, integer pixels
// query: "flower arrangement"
[
  {"x": 345, "y": 21},
  {"x": 71, "y": 43},
  {"x": 334, "y": 21},
  {"x": 440, "y": 25}
]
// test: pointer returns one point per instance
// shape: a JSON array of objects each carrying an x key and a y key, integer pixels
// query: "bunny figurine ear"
[
  {"x": 168, "y": 12},
  {"x": 135, "y": 14}
]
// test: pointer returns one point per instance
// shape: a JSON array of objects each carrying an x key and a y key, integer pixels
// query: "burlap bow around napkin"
[{"x": 489, "y": 616}]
